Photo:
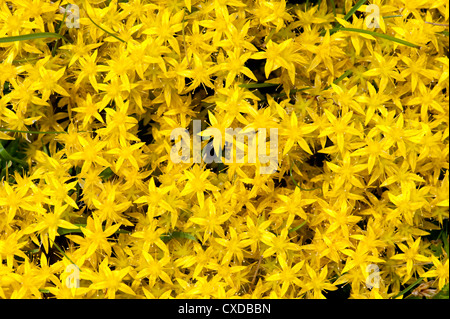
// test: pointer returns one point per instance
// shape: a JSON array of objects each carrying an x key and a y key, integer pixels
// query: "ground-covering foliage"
[{"x": 358, "y": 205}]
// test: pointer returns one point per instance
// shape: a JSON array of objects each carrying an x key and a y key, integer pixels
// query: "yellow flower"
[
  {"x": 288, "y": 275},
  {"x": 384, "y": 68},
  {"x": 14, "y": 199},
  {"x": 428, "y": 99},
  {"x": 89, "y": 69},
  {"x": 234, "y": 246},
  {"x": 440, "y": 271},
  {"x": 410, "y": 255},
  {"x": 202, "y": 72},
  {"x": 326, "y": 51},
  {"x": 257, "y": 233},
  {"x": 110, "y": 205},
  {"x": 125, "y": 152},
  {"x": 339, "y": 129},
  {"x": 339, "y": 217},
  {"x": 30, "y": 281},
  {"x": 200, "y": 258},
  {"x": 211, "y": 221},
  {"x": 280, "y": 55},
  {"x": 48, "y": 83},
  {"x": 91, "y": 153},
  {"x": 317, "y": 282},
  {"x": 355, "y": 38},
  {"x": 11, "y": 246},
  {"x": 296, "y": 132},
  {"x": 87, "y": 109},
  {"x": 80, "y": 49},
  {"x": 151, "y": 235},
  {"x": 95, "y": 237},
  {"x": 197, "y": 183},
  {"x": 277, "y": 15},
  {"x": 279, "y": 245},
  {"x": 154, "y": 269},
  {"x": 347, "y": 172},
  {"x": 47, "y": 225},
  {"x": 404, "y": 177},
  {"x": 293, "y": 205},
  {"x": 165, "y": 27},
  {"x": 228, "y": 273},
  {"x": 374, "y": 151},
  {"x": 417, "y": 69},
  {"x": 235, "y": 65},
  {"x": 107, "y": 279}
]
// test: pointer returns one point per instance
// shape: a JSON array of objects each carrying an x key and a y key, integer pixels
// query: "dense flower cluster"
[{"x": 88, "y": 185}]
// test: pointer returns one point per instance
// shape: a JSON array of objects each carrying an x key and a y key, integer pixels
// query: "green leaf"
[
  {"x": 393, "y": 16},
  {"x": 59, "y": 28},
  {"x": 28, "y": 60},
  {"x": 272, "y": 32},
  {"x": 353, "y": 10},
  {"x": 177, "y": 234},
  {"x": 31, "y": 36},
  {"x": 297, "y": 227},
  {"x": 59, "y": 32},
  {"x": 32, "y": 132},
  {"x": 443, "y": 294},
  {"x": 295, "y": 183},
  {"x": 339, "y": 79},
  {"x": 6, "y": 87},
  {"x": 64, "y": 254},
  {"x": 106, "y": 173},
  {"x": 8, "y": 157},
  {"x": 33, "y": 251},
  {"x": 418, "y": 281},
  {"x": 444, "y": 236},
  {"x": 45, "y": 291},
  {"x": 65, "y": 231},
  {"x": 333, "y": 5},
  {"x": 110, "y": 33},
  {"x": 257, "y": 85},
  {"x": 376, "y": 34}
]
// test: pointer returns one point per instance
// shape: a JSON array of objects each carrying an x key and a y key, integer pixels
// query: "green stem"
[
  {"x": 353, "y": 10},
  {"x": 111, "y": 34},
  {"x": 297, "y": 227},
  {"x": 184, "y": 39},
  {"x": 334, "y": 7},
  {"x": 8, "y": 157},
  {"x": 339, "y": 79},
  {"x": 31, "y": 132},
  {"x": 375, "y": 34},
  {"x": 59, "y": 32},
  {"x": 39, "y": 132},
  {"x": 256, "y": 85},
  {"x": 394, "y": 16},
  {"x": 28, "y": 60},
  {"x": 31, "y": 36},
  {"x": 64, "y": 254},
  {"x": 418, "y": 281},
  {"x": 293, "y": 180},
  {"x": 272, "y": 32}
]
